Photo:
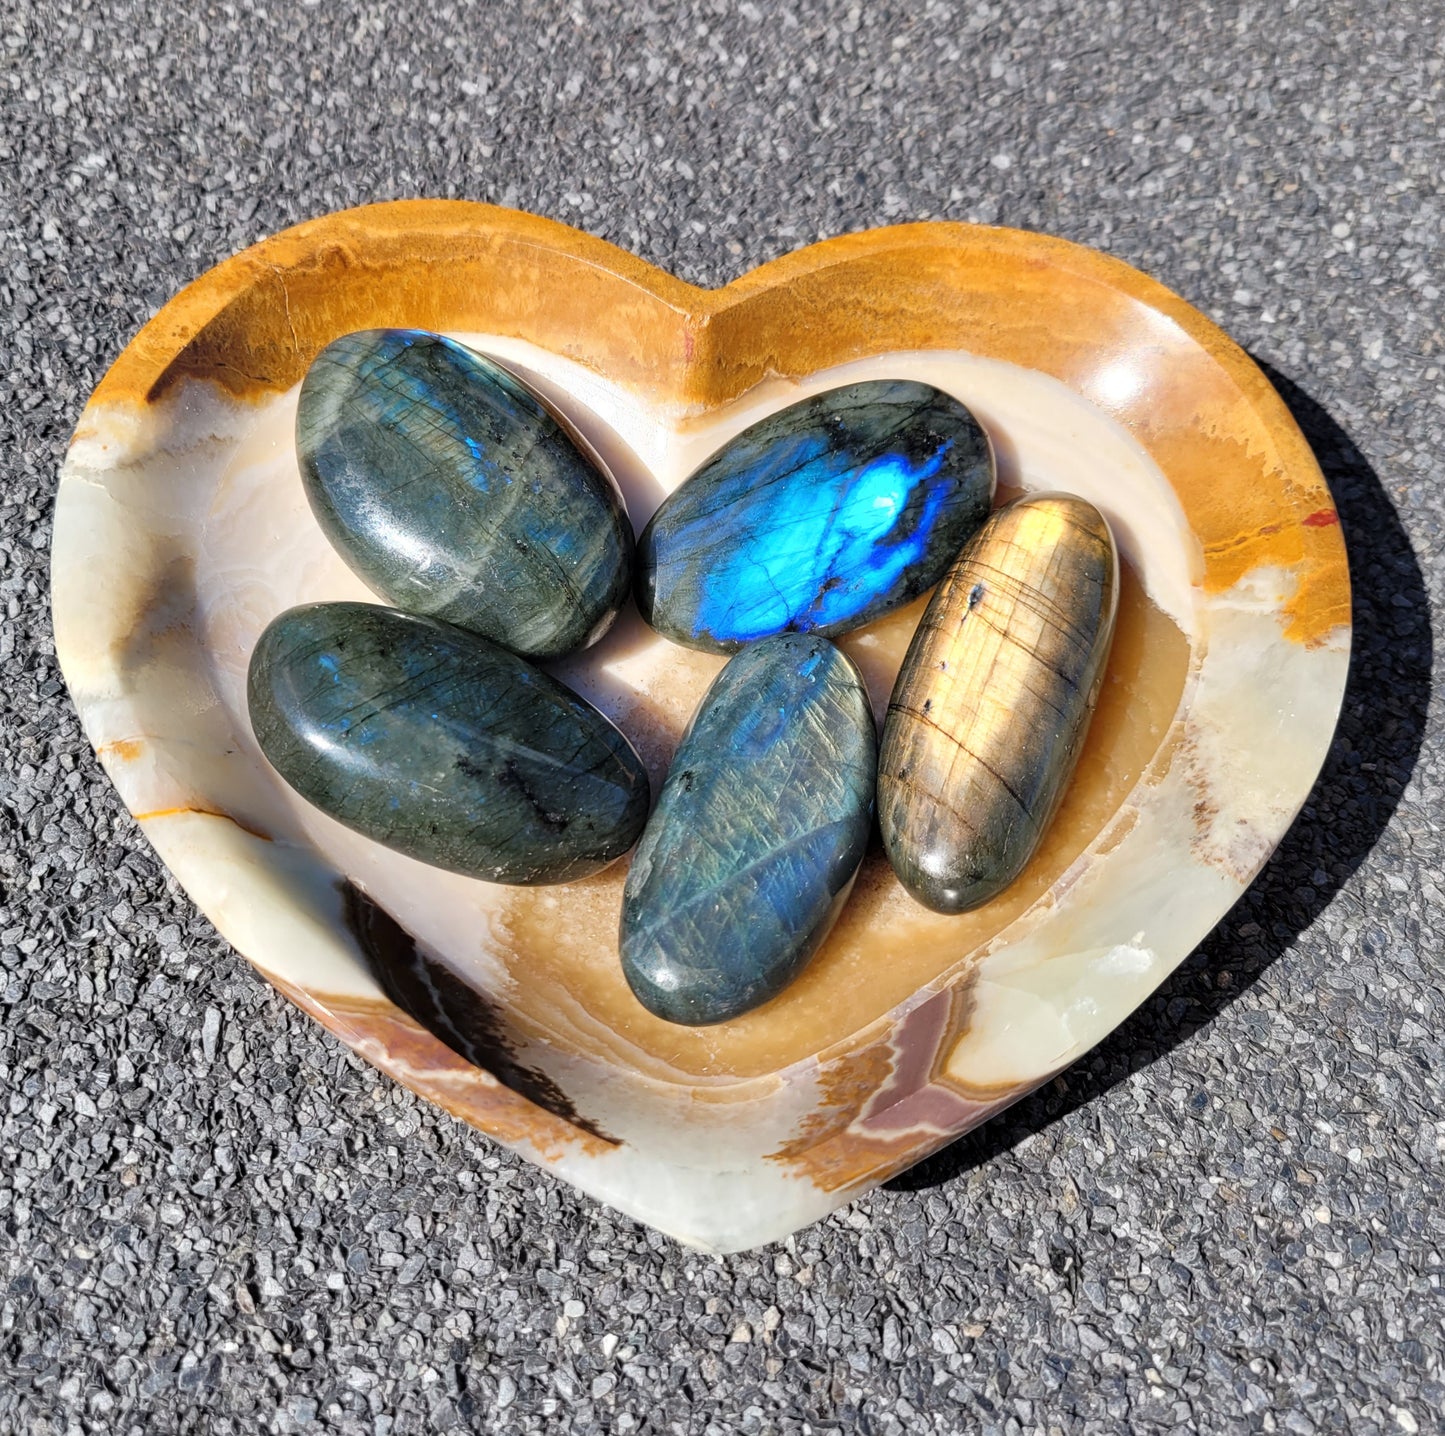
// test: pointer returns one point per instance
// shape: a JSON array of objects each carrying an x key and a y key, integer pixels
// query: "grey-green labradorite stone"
[
  {"x": 758, "y": 834},
  {"x": 452, "y": 491},
  {"x": 443, "y": 745},
  {"x": 818, "y": 519}
]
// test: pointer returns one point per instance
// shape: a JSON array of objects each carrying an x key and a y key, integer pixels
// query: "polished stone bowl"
[{"x": 182, "y": 529}]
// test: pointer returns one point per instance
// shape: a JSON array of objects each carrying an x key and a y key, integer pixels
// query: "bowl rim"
[{"x": 691, "y": 326}]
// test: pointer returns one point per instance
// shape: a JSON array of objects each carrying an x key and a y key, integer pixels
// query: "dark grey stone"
[
  {"x": 757, "y": 836},
  {"x": 817, "y": 519},
  {"x": 453, "y": 491},
  {"x": 443, "y": 745}
]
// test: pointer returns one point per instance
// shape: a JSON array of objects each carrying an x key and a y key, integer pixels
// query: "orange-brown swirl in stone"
[{"x": 991, "y": 708}]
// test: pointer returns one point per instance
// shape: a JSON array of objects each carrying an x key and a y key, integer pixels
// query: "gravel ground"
[{"x": 1227, "y": 1218}]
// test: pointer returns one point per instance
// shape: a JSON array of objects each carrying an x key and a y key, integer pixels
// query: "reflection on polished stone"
[
  {"x": 817, "y": 519},
  {"x": 453, "y": 491},
  {"x": 994, "y": 699},
  {"x": 443, "y": 745}
]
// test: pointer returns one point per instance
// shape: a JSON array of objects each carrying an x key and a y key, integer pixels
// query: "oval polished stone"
[
  {"x": 443, "y": 745},
  {"x": 453, "y": 491},
  {"x": 817, "y": 519},
  {"x": 994, "y": 699},
  {"x": 757, "y": 836}
]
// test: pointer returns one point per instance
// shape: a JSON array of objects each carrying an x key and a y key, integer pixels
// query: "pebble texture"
[
  {"x": 1228, "y": 1218},
  {"x": 817, "y": 519},
  {"x": 442, "y": 745},
  {"x": 758, "y": 834},
  {"x": 450, "y": 489}
]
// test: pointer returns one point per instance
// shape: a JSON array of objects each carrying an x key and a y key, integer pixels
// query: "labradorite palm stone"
[
  {"x": 757, "y": 836},
  {"x": 993, "y": 702},
  {"x": 817, "y": 519},
  {"x": 452, "y": 491},
  {"x": 443, "y": 745}
]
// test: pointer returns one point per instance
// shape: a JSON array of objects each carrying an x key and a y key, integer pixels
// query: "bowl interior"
[{"x": 549, "y": 955}]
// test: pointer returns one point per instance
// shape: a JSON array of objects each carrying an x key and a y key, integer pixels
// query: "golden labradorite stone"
[{"x": 994, "y": 699}]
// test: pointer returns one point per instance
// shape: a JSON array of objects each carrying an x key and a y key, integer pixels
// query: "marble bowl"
[{"x": 181, "y": 528}]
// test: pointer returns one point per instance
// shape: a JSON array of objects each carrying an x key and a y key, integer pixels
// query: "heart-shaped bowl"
[{"x": 181, "y": 529}]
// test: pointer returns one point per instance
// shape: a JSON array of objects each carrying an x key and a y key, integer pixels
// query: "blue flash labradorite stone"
[
  {"x": 453, "y": 491},
  {"x": 818, "y": 519},
  {"x": 443, "y": 745},
  {"x": 757, "y": 836}
]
